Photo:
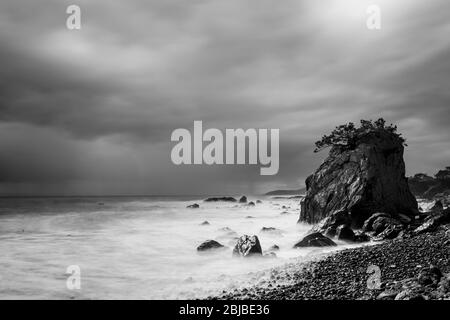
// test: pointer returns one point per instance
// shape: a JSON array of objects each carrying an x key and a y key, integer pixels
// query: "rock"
[
  {"x": 315, "y": 240},
  {"x": 247, "y": 246},
  {"x": 364, "y": 179},
  {"x": 391, "y": 232},
  {"x": 216, "y": 199},
  {"x": 330, "y": 224},
  {"x": 361, "y": 237},
  {"x": 208, "y": 245},
  {"x": 271, "y": 230},
  {"x": 193, "y": 206},
  {"x": 249, "y": 217},
  {"x": 368, "y": 224},
  {"x": 345, "y": 233},
  {"x": 434, "y": 221},
  {"x": 258, "y": 201},
  {"x": 382, "y": 223},
  {"x": 204, "y": 223},
  {"x": 404, "y": 218},
  {"x": 387, "y": 295},
  {"x": 429, "y": 276},
  {"x": 274, "y": 248},
  {"x": 243, "y": 199},
  {"x": 437, "y": 207},
  {"x": 251, "y": 204}
]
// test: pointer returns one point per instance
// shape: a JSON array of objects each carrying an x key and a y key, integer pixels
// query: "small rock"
[
  {"x": 208, "y": 245},
  {"x": 247, "y": 246},
  {"x": 193, "y": 206},
  {"x": 243, "y": 199},
  {"x": 315, "y": 239},
  {"x": 204, "y": 223},
  {"x": 251, "y": 204}
]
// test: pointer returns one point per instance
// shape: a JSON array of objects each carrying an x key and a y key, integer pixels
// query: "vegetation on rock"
[{"x": 348, "y": 136}]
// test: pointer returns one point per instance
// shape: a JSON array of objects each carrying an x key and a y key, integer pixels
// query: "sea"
[{"x": 142, "y": 247}]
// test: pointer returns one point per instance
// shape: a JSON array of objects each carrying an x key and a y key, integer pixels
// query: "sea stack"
[{"x": 361, "y": 178}]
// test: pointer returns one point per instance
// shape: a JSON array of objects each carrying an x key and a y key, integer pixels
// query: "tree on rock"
[
  {"x": 363, "y": 174},
  {"x": 348, "y": 136}
]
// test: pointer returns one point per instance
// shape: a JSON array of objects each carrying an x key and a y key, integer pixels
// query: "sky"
[{"x": 91, "y": 111}]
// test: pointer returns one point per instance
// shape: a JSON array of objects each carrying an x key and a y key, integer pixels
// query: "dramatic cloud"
[{"x": 91, "y": 111}]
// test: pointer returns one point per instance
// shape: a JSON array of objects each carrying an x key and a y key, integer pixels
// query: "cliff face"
[{"x": 367, "y": 179}]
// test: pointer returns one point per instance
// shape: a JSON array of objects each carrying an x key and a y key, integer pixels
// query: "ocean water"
[{"x": 140, "y": 247}]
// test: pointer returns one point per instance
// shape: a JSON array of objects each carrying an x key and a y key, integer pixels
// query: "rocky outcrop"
[
  {"x": 361, "y": 181},
  {"x": 243, "y": 199},
  {"x": 208, "y": 245},
  {"x": 247, "y": 246},
  {"x": 315, "y": 239}
]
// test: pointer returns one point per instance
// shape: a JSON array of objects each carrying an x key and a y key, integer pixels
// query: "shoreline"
[{"x": 344, "y": 275}]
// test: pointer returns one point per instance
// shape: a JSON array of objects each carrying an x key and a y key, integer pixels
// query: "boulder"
[
  {"x": 315, "y": 239},
  {"x": 216, "y": 199},
  {"x": 204, "y": 223},
  {"x": 247, "y": 246},
  {"x": 368, "y": 224},
  {"x": 391, "y": 232},
  {"x": 382, "y": 223},
  {"x": 363, "y": 179},
  {"x": 208, "y": 245},
  {"x": 345, "y": 233},
  {"x": 193, "y": 206},
  {"x": 243, "y": 199},
  {"x": 251, "y": 204},
  {"x": 330, "y": 224},
  {"x": 258, "y": 201}
]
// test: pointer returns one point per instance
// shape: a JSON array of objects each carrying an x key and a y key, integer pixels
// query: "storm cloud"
[{"x": 91, "y": 111}]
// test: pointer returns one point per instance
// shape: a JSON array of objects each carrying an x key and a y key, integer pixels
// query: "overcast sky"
[{"x": 92, "y": 111}]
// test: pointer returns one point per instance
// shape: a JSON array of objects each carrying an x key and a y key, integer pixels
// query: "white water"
[{"x": 138, "y": 248}]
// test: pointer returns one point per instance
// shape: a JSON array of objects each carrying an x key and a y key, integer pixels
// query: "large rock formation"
[{"x": 360, "y": 181}]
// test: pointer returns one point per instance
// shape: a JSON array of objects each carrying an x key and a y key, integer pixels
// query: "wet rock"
[
  {"x": 437, "y": 207},
  {"x": 258, "y": 201},
  {"x": 315, "y": 240},
  {"x": 247, "y": 246},
  {"x": 366, "y": 178},
  {"x": 361, "y": 237},
  {"x": 345, "y": 233},
  {"x": 204, "y": 223},
  {"x": 382, "y": 223},
  {"x": 208, "y": 245},
  {"x": 243, "y": 199},
  {"x": 193, "y": 206},
  {"x": 331, "y": 223},
  {"x": 391, "y": 232},
  {"x": 251, "y": 204},
  {"x": 368, "y": 224},
  {"x": 217, "y": 199},
  {"x": 429, "y": 276}
]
